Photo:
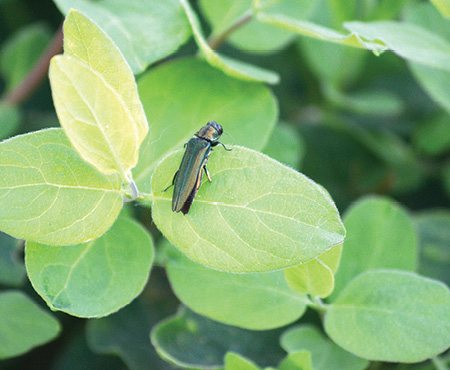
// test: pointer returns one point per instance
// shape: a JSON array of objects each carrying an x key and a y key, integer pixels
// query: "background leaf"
[
  {"x": 285, "y": 145},
  {"x": 269, "y": 302},
  {"x": 380, "y": 235},
  {"x": 253, "y": 36},
  {"x": 184, "y": 95},
  {"x": 409, "y": 41},
  {"x": 383, "y": 315},
  {"x": 10, "y": 118},
  {"x": 190, "y": 340},
  {"x": 232, "y": 67},
  {"x": 12, "y": 268},
  {"x": 144, "y": 31},
  {"x": 23, "y": 324},
  {"x": 125, "y": 334},
  {"x": 325, "y": 354},
  {"x": 50, "y": 195},
  {"x": 21, "y": 53},
  {"x": 95, "y": 278},
  {"x": 256, "y": 215},
  {"x": 434, "y": 238}
]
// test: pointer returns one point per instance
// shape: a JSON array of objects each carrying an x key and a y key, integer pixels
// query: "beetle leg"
[
  {"x": 207, "y": 174},
  {"x": 173, "y": 181}
]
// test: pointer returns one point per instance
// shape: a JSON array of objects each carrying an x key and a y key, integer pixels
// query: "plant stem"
[
  {"x": 34, "y": 78},
  {"x": 215, "y": 41}
]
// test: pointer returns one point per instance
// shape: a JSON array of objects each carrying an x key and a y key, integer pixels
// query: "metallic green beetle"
[{"x": 188, "y": 178}]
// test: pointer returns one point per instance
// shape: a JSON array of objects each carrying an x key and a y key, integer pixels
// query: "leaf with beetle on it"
[
  {"x": 256, "y": 215},
  {"x": 96, "y": 98}
]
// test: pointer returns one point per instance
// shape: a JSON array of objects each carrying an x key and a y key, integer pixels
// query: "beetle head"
[{"x": 210, "y": 132}]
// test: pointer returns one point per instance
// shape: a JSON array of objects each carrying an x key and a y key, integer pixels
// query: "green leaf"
[
  {"x": 190, "y": 340},
  {"x": 257, "y": 215},
  {"x": 95, "y": 278},
  {"x": 316, "y": 277},
  {"x": 434, "y": 238},
  {"x": 125, "y": 334},
  {"x": 10, "y": 119},
  {"x": 252, "y": 36},
  {"x": 145, "y": 31},
  {"x": 443, "y": 6},
  {"x": 232, "y": 67},
  {"x": 317, "y": 31},
  {"x": 409, "y": 41},
  {"x": 406, "y": 173},
  {"x": 21, "y": 52},
  {"x": 435, "y": 82},
  {"x": 300, "y": 360},
  {"x": 371, "y": 102},
  {"x": 433, "y": 135},
  {"x": 74, "y": 354},
  {"x": 380, "y": 234},
  {"x": 96, "y": 98},
  {"x": 86, "y": 42},
  {"x": 12, "y": 268},
  {"x": 269, "y": 301},
  {"x": 234, "y": 361},
  {"x": 23, "y": 324},
  {"x": 50, "y": 195},
  {"x": 394, "y": 316},
  {"x": 325, "y": 354},
  {"x": 184, "y": 95},
  {"x": 285, "y": 145}
]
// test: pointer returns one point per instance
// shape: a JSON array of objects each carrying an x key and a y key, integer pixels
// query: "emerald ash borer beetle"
[{"x": 188, "y": 178}]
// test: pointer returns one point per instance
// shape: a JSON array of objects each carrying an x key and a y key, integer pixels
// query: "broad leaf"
[
  {"x": 96, "y": 98},
  {"x": 192, "y": 341},
  {"x": 380, "y": 235},
  {"x": 232, "y": 67},
  {"x": 86, "y": 42},
  {"x": 269, "y": 301},
  {"x": 145, "y": 31},
  {"x": 325, "y": 354},
  {"x": 390, "y": 315},
  {"x": 256, "y": 215},
  {"x": 50, "y": 195},
  {"x": 95, "y": 278},
  {"x": 184, "y": 95},
  {"x": 23, "y": 324}
]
